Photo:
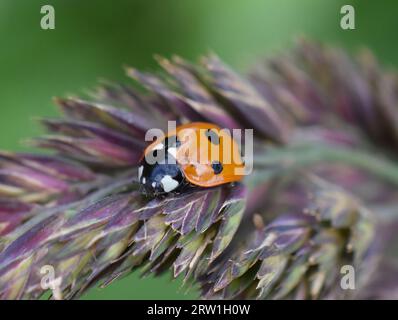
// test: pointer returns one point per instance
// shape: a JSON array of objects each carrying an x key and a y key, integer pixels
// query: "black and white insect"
[{"x": 169, "y": 166}]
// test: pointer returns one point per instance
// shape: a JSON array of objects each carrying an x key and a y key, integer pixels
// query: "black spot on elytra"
[{"x": 217, "y": 167}]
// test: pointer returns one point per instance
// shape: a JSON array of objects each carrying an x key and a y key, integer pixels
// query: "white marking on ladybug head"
[
  {"x": 153, "y": 184},
  {"x": 168, "y": 183},
  {"x": 159, "y": 146},
  {"x": 173, "y": 152},
  {"x": 140, "y": 170},
  {"x": 143, "y": 180}
]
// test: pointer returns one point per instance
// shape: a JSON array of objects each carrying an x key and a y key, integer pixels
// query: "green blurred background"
[{"x": 94, "y": 39}]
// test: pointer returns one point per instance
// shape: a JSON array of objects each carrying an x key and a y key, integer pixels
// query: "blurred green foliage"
[{"x": 94, "y": 39}]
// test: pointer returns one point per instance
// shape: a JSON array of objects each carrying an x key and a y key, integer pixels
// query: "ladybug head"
[{"x": 163, "y": 176}]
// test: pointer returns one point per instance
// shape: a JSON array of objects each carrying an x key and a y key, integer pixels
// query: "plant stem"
[{"x": 295, "y": 157}]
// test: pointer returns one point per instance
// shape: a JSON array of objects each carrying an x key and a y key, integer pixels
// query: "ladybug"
[{"x": 194, "y": 155}]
